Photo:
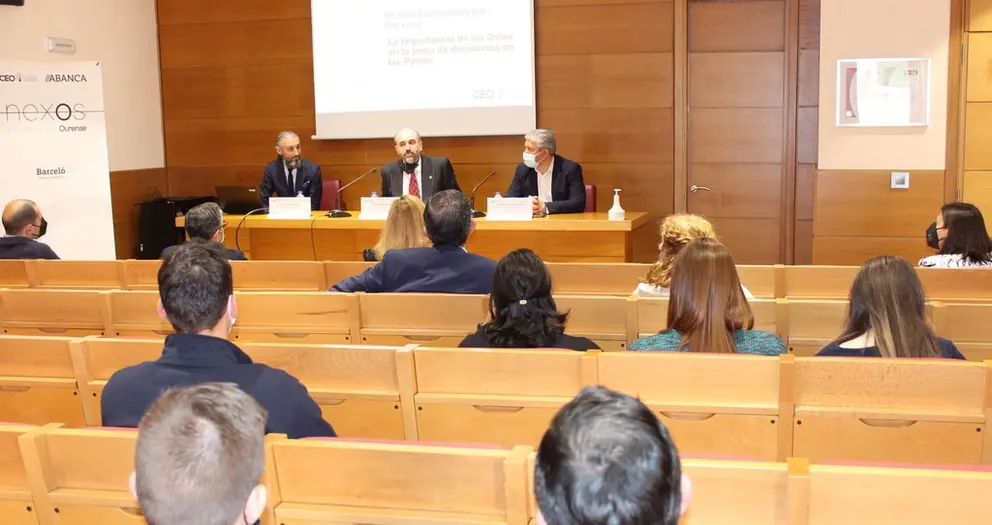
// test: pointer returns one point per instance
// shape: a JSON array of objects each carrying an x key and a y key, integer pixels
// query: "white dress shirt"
[
  {"x": 420, "y": 181},
  {"x": 544, "y": 182}
]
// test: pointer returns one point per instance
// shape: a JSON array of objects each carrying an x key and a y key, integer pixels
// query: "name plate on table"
[
  {"x": 376, "y": 208},
  {"x": 289, "y": 207},
  {"x": 509, "y": 209}
]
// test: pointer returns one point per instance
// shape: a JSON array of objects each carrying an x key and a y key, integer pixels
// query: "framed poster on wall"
[{"x": 883, "y": 92}]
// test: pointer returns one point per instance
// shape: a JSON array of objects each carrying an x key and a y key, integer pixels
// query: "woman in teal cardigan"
[{"x": 707, "y": 311}]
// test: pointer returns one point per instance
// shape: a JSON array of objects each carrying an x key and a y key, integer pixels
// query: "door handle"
[{"x": 695, "y": 188}]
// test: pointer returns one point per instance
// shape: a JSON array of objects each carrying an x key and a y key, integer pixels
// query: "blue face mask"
[{"x": 530, "y": 160}]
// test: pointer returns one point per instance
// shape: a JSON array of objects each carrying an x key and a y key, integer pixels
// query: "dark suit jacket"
[
  {"x": 568, "y": 191},
  {"x": 232, "y": 254},
  {"x": 436, "y": 173},
  {"x": 308, "y": 180},
  {"x": 190, "y": 359},
  {"x": 17, "y": 247},
  {"x": 439, "y": 269}
]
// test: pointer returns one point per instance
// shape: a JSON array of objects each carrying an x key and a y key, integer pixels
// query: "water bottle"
[
  {"x": 499, "y": 195},
  {"x": 299, "y": 194},
  {"x": 375, "y": 194}
]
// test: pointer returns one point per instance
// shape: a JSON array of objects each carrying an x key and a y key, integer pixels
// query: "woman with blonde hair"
[
  {"x": 404, "y": 228},
  {"x": 676, "y": 232},
  {"x": 886, "y": 316},
  {"x": 707, "y": 310}
]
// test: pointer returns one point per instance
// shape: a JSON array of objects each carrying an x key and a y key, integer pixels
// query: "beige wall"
[
  {"x": 123, "y": 35},
  {"x": 883, "y": 29}
]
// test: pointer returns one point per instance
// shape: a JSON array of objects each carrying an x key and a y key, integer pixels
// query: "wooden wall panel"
[
  {"x": 127, "y": 189},
  {"x": 978, "y": 136},
  {"x": 807, "y": 131},
  {"x": 894, "y": 212},
  {"x": 736, "y": 26},
  {"x": 978, "y": 191},
  {"x": 735, "y": 135},
  {"x": 236, "y": 72},
  {"x": 736, "y": 80},
  {"x": 980, "y": 15}
]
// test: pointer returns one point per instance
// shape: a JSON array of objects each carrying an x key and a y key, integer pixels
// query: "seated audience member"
[
  {"x": 606, "y": 459},
  {"x": 676, "y": 232},
  {"x": 521, "y": 310},
  {"x": 206, "y": 221},
  {"x": 445, "y": 267},
  {"x": 404, "y": 228},
  {"x": 196, "y": 296},
  {"x": 886, "y": 316},
  {"x": 553, "y": 182},
  {"x": 24, "y": 224},
  {"x": 199, "y": 457},
  {"x": 960, "y": 238},
  {"x": 707, "y": 311}
]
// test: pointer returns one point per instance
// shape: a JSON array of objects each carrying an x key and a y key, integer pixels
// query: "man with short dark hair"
[
  {"x": 23, "y": 224},
  {"x": 414, "y": 173},
  {"x": 196, "y": 295},
  {"x": 206, "y": 221},
  {"x": 608, "y": 459},
  {"x": 199, "y": 457},
  {"x": 290, "y": 175},
  {"x": 445, "y": 267}
]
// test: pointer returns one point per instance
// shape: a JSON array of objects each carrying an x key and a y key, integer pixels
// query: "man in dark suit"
[
  {"x": 553, "y": 182},
  {"x": 196, "y": 296},
  {"x": 415, "y": 174},
  {"x": 290, "y": 174},
  {"x": 23, "y": 224},
  {"x": 445, "y": 267},
  {"x": 206, "y": 222}
]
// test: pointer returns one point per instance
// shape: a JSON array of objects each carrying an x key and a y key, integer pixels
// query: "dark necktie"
[{"x": 289, "y": 179}]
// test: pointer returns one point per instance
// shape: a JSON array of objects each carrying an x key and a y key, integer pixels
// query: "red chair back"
[
  {"x": 590, "y": 197},
  {"x": 331, "y": 188}
]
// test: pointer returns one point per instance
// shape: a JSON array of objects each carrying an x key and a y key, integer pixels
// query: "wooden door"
[{"x": 736, "y": 123}]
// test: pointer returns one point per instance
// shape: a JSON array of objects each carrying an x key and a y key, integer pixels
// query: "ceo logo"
[
  {"x": 483, "y": 93},
  {"x": 7, "y": 77}
]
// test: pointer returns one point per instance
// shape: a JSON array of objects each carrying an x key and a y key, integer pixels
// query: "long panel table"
[{"x": 580, "y": 237}]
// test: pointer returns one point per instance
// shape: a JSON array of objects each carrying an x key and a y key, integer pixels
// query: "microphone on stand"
[
  {"x": 476, "y": 213},
  {"x": 337, "y": 213}
]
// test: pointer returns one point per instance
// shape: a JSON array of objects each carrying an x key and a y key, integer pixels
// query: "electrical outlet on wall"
[{"x": 900, "y": 180}]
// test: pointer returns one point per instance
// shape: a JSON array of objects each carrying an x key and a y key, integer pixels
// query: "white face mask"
[{"x": 530, "y": 160}]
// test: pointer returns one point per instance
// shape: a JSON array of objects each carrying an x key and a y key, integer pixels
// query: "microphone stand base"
[
  {"x": 477, "y": 214},
  {"x": 337, "y": 214}
]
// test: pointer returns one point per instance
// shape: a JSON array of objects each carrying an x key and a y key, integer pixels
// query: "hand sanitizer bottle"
[
  {"x": 616, "y": 212},
  {"x": 375, "y": 194}
]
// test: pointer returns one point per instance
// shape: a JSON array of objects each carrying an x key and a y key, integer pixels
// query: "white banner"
[{"x": 53, "y": 142}]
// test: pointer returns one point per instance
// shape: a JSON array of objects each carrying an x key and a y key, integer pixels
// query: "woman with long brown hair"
[
  {"x": 886, "y": 315},
  {"x": 404, "y": 228},
  {"x": 707, "y": 310}
]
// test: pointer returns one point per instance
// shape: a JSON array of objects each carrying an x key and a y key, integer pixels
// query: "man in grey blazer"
[{"x": 416, "y": 174}]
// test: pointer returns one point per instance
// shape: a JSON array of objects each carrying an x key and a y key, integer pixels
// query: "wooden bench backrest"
[
  {"x": 759, "y": 280},
  {"x": 16, "y": 501},
  {"x": 52, "y": 312},
  {"x": 13, "y": 274},
  {"x": 601, "y": 318},
  {"x": 967, "y": 325},
  {"x": 813, "y": 323},
  {"x": 78, "y": 275},
  {"x": 503, "y": 397},
  {"x": 818, "y": 282},
  {"x": 652, "y": 315},
  {"x": 81, "y": 476},
  {"x": 139, "y": 274},
  {"x": 844, "y": 494},
  {"x": 730, "y": 405},
  {"x": 296, "y": 317},
  {"x": 363, "y": 391},
  {"x": 380, "y": 483},
  {"x": 430, "y": 319},
  {"x": 37, "y": 381},
  {"x": 957, "y": 284},
  {"x": 596, "y": 278},
  {"x": 738, "y": 492},
  {"x": 96, "y": 359},
  {"x": 879, "y": 409},
  {"x": 279, "y": 275},
  {"x": 337, "y": 271},
  {"x": 134, "y": 313}
]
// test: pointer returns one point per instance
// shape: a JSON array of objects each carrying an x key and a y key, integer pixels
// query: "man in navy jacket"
[
  {"x": 196, "y": 295},
  {"x": 291, "y": 174},
  {"x": 445, "y": 267},
  {"x": 23, "y": 224},
  {"x": 553, "y": 182}
]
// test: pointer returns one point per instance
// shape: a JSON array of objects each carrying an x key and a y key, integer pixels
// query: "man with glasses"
[
  {"x": 206, "y": 222},
  {"x": 23, "y": 224}
]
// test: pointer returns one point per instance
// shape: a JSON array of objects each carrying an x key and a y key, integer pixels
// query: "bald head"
[
  {"x": 408, "y": 145},
  {"x": 19, "y": 216}
]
